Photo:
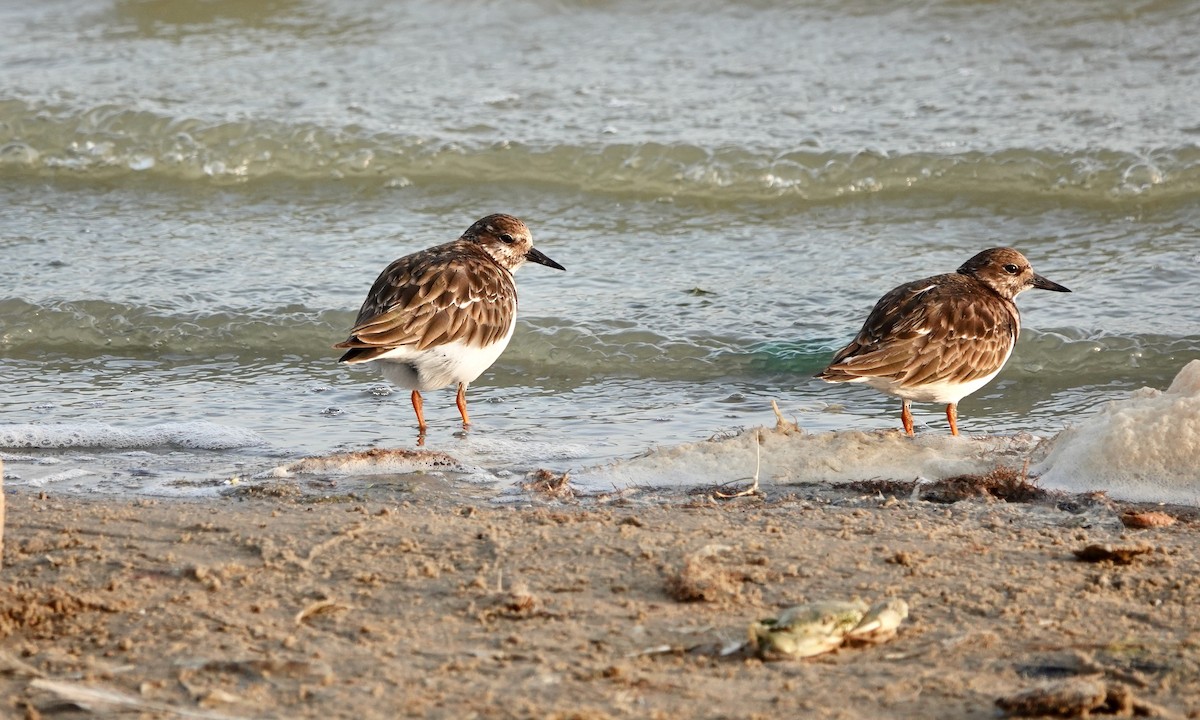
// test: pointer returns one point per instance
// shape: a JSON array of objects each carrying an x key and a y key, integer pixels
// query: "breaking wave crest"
[{"x": 112, "y": 142}]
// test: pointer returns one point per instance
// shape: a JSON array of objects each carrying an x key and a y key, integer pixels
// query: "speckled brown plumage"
[
  {"x": 444, "y": 314},
  {"x": 941, "y": 338},
  {"x": 936, "y": 329},
  {"x": 454, "y": 291}
]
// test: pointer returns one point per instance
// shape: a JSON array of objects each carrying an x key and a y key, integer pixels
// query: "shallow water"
[{"x": 197, "y": 197}]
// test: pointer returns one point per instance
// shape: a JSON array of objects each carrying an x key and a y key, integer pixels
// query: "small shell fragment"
[{"x": 1142, "y": 520}]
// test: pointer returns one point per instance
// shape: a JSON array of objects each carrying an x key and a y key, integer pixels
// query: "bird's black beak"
[
  {"x": 540, "y": 258},
  {"x": 1044, "y": 284}
]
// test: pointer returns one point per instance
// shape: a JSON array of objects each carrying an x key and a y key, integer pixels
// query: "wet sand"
[{"x": 419, "y": 598}]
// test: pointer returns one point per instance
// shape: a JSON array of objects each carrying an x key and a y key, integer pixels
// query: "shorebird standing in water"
[
  {"x": 941, "y": 338},
  {"x": 443, "y": 315}
]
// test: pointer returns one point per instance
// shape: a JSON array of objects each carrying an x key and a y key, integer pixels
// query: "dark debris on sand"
[
  {"x": 549, "y": 484},
  {"x": 1002, "y": 483}
]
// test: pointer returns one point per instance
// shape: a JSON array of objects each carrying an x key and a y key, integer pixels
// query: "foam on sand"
[
  {"x": 59, "y": 477},
  {"x": 799, "y": 458},
  {"x": 190, "y": 435},
  {"x": 1144, "y": 448},
  {"x": 377, "y": 461}
]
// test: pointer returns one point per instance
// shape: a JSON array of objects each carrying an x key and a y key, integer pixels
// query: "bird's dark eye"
[
  {"x": 507, "y": 239},
  {"x": 1011, "y": 269}
]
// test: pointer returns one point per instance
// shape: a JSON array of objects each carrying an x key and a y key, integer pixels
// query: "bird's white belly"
[
  {"x": 939, "y": 392},
  {"x": 943, "y": 392},
  {"x": 441, "y": 365}
]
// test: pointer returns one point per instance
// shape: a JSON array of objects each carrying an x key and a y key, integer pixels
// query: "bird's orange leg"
[
  {"x": 461, "y": 401},
  {"x": 906, "y": 418},
  {"x": 419, "y": 406},
  {"x": 952, "y": 416}
]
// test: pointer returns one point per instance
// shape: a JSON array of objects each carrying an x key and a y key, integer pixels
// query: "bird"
[
  {"x": 443, "y": 315},
  {"x": 941, "y": 338}
]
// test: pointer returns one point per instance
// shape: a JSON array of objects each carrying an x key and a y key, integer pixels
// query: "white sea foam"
[
  {"x": 369, "y": 462},
  {"x": 192, "y": 435},
  {"x": 1143, "y": 448},
  {"x": 508, "y": 451},
  {"x": 832, "y": 457},
  {"x": 476, "y": 459},
  {"x": 58, "y": 477}
]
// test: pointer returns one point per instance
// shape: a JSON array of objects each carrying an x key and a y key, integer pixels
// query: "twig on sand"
[
  {"x": 320, "y": 606},
  {"x": 348, "y": 534},
  {"x": 787, "y": 427},
  {"x": 101, "y": 700},
  {"x": 753, "y": 489},
  {"x": 656, "y": 650},
  {"x": 782, "y": 426},
  {"x": 11, "y": 665}
]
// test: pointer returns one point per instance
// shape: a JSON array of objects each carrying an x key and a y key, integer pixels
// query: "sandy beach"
[{"x": 429, "y": 599}]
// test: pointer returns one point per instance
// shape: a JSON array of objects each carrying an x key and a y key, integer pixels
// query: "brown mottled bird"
[
  {"x": 944, "y": 337},
  {"x": 443, "y": 315}
]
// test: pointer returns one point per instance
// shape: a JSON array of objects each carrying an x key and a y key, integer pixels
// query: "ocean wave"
[
  {"x": 113, "y": 142},
  {"x": 89, "y": 327},
  {"x": 1086, "y": 358},
  {"x": 545, "y": 346},
  {"x": 1071, "y": 355}
]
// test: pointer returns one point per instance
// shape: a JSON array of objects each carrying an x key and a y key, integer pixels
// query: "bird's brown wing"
[
  {"x": 934, "y": 330},
  {"x": 445, "y": 294}
]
